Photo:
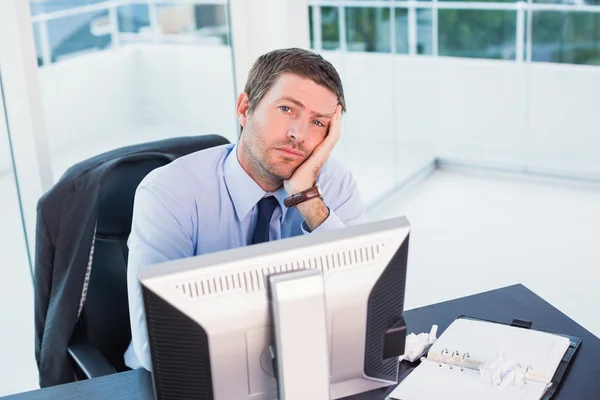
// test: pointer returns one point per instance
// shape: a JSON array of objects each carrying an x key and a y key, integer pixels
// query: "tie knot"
[{"x": 267, "y": 205}]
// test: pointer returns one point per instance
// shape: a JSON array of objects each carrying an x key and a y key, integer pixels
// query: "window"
[
  {"x": 566, "y": 37},
  {"x": 477, "y": 33}
]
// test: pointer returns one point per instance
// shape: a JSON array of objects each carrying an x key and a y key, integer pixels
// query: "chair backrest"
[{"x": 105, "y": 314}]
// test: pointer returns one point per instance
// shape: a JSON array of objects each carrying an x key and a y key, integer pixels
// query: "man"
[{"x": 235, "y": 195}]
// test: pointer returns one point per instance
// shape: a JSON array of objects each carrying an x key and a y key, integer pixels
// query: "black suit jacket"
[{"x": 66, "y": 217}]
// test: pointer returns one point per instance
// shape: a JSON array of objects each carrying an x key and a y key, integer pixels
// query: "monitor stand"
[{"x": 300, "y": 333}]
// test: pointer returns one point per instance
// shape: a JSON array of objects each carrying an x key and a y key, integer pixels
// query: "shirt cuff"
[{"x": 332, "y": 222}]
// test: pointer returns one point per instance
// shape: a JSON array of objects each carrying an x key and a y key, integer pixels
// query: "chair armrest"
[{"x": 89, "y": 359}]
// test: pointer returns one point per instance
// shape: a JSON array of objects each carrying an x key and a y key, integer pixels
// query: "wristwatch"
[{"x": 303, "y": 196}]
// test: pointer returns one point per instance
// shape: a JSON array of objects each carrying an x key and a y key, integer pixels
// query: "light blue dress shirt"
[{"x": 205, "y": 202}]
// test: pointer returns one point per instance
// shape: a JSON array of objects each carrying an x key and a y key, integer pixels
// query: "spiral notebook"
[{"x": 450, "y": 370}]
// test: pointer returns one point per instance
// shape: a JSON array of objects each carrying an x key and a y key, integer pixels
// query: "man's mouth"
[{"x": 290, "y": 151}]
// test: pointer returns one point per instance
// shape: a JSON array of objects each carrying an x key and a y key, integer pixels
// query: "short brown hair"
[{"x": 304, "y": 63}]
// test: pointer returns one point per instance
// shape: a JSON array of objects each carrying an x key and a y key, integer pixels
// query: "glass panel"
[
  {"x": 311, "y": 27},
  {"x": 424, "y": 32},
  {"x": 77, "y": 34},
  {"x": 16, "y": 291},
  {"x": 367, "y": 145},
  {"x": 401, "y": 21},
  {"x": 368, "y": 29},
  {"x": 134, "y": 18},
  {"x": 330, "y": 27},
  {"x": 48, "y": 6},
  {"x": 424, "y": 44},
  {"x": 205, "y": 24},
  {"x": 566, "y": 37},
  {"x": 95, "y": 101},
  {"x": 525, "y": 35},
  {"x": 38, "y": 45},
  {"x": 477, "y": 33}
]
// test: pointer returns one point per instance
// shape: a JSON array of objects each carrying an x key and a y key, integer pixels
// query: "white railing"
[
  {"x": 112, "y": 6},
  {"x": 524, "y": 13},
  {"x": 523, "y": 34}
]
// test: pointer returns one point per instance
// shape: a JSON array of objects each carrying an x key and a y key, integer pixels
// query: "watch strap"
[{"x": 303, "y": 196}]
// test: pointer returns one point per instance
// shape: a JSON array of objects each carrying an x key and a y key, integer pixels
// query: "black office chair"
[{"x": 103, "y": 330}]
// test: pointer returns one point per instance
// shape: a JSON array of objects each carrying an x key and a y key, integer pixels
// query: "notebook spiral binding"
[
  {"x": 450, "y": 363},
  {"x": 447, "y": 358}
]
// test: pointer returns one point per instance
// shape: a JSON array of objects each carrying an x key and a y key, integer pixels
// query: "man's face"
[{"x": 287, "y": 124}]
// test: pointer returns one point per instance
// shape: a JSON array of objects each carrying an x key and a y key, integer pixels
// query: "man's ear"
[{"x": 242, "y": 108}]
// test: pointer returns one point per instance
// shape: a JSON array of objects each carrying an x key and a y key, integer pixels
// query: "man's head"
[{"x": 289, "y": 99}]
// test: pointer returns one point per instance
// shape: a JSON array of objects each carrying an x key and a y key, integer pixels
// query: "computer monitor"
[{"x": 209, "y": 317}]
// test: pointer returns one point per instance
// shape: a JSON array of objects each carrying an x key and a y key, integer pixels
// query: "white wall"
[
  {"x": 384, "y": 132},
  {"x": 537, "y": 117},
  {"x": 185, "y": 89},
  {"x": 415, "y": 101},
  {"x": 144, "y": 92},
  {"x": 367, "y": 145},
  {"x": 88, "y": 96},
  {"x": 5, "y": 165},
  {"x": 259, "y": 26},
  {"x": 403, "y": 111},
  {"x": 563, "y": 126},
  {"x": 481, "y": 112},
  {"x": 136, "y": 93}
]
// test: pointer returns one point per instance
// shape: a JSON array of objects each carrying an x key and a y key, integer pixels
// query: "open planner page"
[
  {"x": 482, "y": 340},
  {"x": 429, "y": 381}
]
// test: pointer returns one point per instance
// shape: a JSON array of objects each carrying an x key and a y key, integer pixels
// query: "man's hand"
[
  {"x": 314, "y": 211},
  {"x": 306, "y": 174}
]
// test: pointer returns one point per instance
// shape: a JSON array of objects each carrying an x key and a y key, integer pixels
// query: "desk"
[{"x": 582, "y": 380}]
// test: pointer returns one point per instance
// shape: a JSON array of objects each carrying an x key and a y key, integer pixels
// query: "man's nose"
[{"x": 298, "y": 130}]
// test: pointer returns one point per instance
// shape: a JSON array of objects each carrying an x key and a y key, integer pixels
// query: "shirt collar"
[{"x": 244, "y": 192}]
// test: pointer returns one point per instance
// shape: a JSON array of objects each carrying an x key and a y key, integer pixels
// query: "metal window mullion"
[
  {"x": 434, "y": 28},
  {"x": 352, "y": 3},
  {"x": 412, "y": 28},
  {"x": 459, "y": 5},
  {"x": 393, "y": 27},
  {"x": 153, "y": 17},
  {"x": 113, "y": 16},
  {"x": 528, "y": 45},
  {"x": 70, "y": 12},
  {"x": 45, "y": 43},
  {"x": 317, "y": 28},
  {"x": 520, "y": 34},
  {"x": 342, "y": 28},
  {"x": 565, "y": 7}
]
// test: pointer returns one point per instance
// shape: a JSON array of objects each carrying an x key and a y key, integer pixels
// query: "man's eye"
[
  {"x": 319, "y": 123},
  {"x": 285, "y": 108}
]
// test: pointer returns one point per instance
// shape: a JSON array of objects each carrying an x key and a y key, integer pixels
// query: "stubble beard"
[{"x": 265, "y": 169}]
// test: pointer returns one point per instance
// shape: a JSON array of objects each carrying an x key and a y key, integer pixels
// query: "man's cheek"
[{"x": 321, "y": 138}]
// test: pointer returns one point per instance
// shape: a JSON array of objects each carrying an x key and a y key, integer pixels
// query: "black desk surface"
[{"x": 582, "y": 380}]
